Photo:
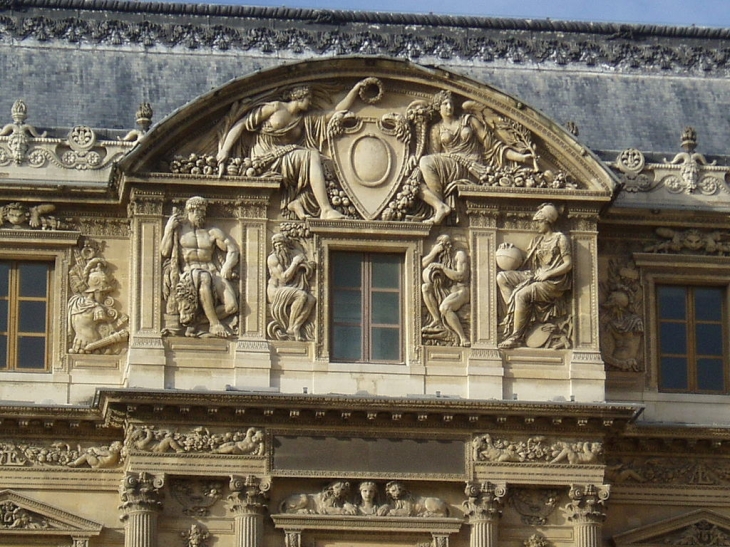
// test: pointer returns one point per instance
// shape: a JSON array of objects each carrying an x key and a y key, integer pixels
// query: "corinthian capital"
[
  {"x": 248, "y": 494},
  {"x": 140, "y": 492},
  {"x": 588, "y": 503},
  {"x": 484, "y": 501}
]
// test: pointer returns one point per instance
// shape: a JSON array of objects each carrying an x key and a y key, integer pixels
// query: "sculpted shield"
[{"x": 370, "y": 156}]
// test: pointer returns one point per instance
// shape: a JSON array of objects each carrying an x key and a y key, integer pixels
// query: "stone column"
[
  {"x": 247, "y": 505},
  {"x": 587, "y": 512},
  {"x": 140, "y": 494},
  {"x": 483, "y": 508}
]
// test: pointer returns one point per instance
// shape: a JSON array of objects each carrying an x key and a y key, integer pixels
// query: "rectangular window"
[
  {"x": 692, "y": 347},
  {"x": 366, "y": 307},
  {"x": 24, "y": 302}
]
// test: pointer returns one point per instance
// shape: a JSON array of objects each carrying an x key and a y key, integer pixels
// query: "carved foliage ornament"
[
  {"x": 623, "y": 52},
  {"x": 375, "y": 154},
  {"x": 140, "y": 492},
  {"x": 587, "y": 503},
  {"x": 484, "y": 501},
  {"x": 95, "y": 325},
  {"x": 196, "y": 536}
]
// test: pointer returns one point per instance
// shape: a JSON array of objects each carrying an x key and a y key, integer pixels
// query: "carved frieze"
[
  {"x": 21, "y": 216},
  {"x": 336, "y": 499},
  {"x": 23, "y": 453},
  {"x": 249, "y": 442},
  {"x": 15, "y": 517},
  {"x": 95, "y": 324},
  {"x": 700, "y": 533},
  {"x": 669, "y": 471},
  {"x": 692, "y": 241},
  {"x": 536, "y": 449}
]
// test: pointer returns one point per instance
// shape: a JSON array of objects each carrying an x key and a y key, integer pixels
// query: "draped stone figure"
[
  {"x": 287, "y": 138},
  {"x": 532, "y": 295},
  {"x": 288, "y": 289}
]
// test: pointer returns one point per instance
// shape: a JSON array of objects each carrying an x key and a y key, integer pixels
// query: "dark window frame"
[
  {"x": 690, "y": 322},
  {"x": 366, "y": 323},
  {"x": 13, "y": 333}
]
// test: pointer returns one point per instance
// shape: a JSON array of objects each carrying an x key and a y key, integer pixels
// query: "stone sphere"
[{"x": 509, "y": 258}]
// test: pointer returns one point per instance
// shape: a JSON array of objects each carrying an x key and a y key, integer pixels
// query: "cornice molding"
[{"x": 620, "y": 47}]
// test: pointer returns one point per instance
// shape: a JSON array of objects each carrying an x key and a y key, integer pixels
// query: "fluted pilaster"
[
  {"x": 587, "y": 512},
  {"x": 483, "y": 508},
  {"x": 246, "y": 503},
  {"x": 140, "y": 495}
]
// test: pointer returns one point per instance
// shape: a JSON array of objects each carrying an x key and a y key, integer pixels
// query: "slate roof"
[{"x": 93, "y": 61}]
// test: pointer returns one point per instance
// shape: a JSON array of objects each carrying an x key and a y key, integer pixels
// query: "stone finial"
[
  {"x": 19, "y": 111},
  {"x": 144, "y": 116},
  {"x": 689, "y": 139}
]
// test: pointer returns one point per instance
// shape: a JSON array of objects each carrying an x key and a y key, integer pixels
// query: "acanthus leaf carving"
[
  {"x": 140, "y": 492},
  {"x": 587, "y": 503},
  {"x": 248, "y": 494},
  {"x": 484, "y": 501}
]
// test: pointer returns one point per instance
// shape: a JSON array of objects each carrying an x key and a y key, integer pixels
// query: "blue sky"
[{"x": 714, "y": 13}]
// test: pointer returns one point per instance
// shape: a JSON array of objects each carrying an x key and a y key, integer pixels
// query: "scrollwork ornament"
[
  {"x": 673, "y": 184},
  {"x": 708, "y": 185},
  {"x": 630, "y": 162}
]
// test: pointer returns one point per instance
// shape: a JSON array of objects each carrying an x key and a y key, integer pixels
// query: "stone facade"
[{"x": 350, "y": 297}]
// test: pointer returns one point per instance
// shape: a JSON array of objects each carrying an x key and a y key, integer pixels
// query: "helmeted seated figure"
[{"x": 531, "y": 295}]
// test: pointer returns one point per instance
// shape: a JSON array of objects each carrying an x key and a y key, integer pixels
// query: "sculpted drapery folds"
[
  {"x": 533, "y": 296},
  {"x": 288, "y": 138},
  {"x": 198, "y": 273},
  {"x": 465, "y": 148},
  {"x": 288, "y": 289},
  {"x": 445, "y": 290}
]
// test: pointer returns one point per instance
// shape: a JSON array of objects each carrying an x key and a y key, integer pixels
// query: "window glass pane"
[
  {"x": 709, "y": 339},
  {"x": 710, "y": 375},
  {"x": 4, "y": 316},
  {"x": 386, "y": 344},
  {"x": 347, "y": 269},
  {"x": 346, "y": 343},
  {"x": 33, "y": 278},
  {"x": 4, "y": 277},
  {"x": 386, "y": 271},
  {"x": 31, "y": 352},
  {"x": 674, "y": 373},
  {"x": 385, "y": 308},
  {"x": 708, "y": 303},
  {"x": 32, "y": 316},
  {"x": 3, "y": 352},
  {"x": 673, "y": 337},
  {"x": 347, "y": 307},
  {"x": 672, "y": 303}
]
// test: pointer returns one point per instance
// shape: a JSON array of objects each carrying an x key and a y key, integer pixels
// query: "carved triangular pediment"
[
  {"x": 701, "y": 527},
  {"x": 20, "y": 515},
  {"x": 371, "y": 122}
]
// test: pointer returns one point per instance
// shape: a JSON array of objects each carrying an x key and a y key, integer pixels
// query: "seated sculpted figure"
[
  {"x": 288, "y": 289},
  {"x": 445, "y": 288},
  {"x": 287, "y": 138},
  {"x": 460, "y": 147},
  {"x": 196, "y": 280},
  {"x": 549, "y": 262}
]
